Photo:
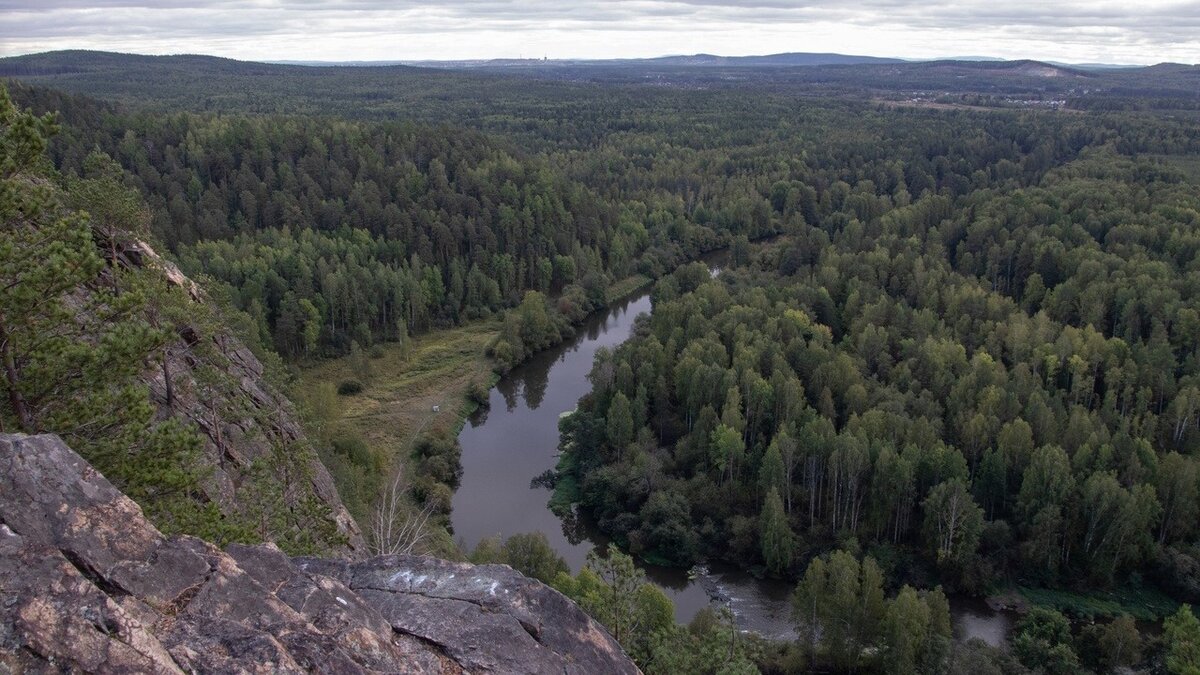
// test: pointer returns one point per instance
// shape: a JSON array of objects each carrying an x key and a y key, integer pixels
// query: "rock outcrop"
[
  {"x": 213, "y": 380},
  {"x": 88, "y": 584}
]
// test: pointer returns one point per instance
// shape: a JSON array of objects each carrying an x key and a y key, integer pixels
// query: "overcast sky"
[{"x": 1128, "y": 31}]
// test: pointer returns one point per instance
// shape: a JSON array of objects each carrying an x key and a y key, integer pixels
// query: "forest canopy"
[
  {"x": 954, "y": 351},
  {"x": 1001, "y": 384}
]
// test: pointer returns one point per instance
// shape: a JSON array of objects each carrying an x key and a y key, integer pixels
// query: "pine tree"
[
  {"x": 620, "y": 423},
  {"x": 771, "y": 471},
  {"x": 778, "y": 543},
  {"x": 74, "y": 337}
]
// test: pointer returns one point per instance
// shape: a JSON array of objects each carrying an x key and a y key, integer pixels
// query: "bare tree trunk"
[
  {"x": 166, "y": 371},
  {"x": 218, "y": 435},
  {"x": 13, "y": 381},
  {"x": 395, "y": 528}
]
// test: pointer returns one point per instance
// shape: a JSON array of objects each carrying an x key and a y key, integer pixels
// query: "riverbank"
[
  {"x": 426, "y": 386},
  {"x": 408, "y": 389},
  {"x": 1144, "y": 603},
  {"x": 515, "y": 439}
]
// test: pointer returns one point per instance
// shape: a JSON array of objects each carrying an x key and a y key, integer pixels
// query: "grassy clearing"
[
  {"x": 566, "y": 488},
  {"x": 401, "y": 387},
  {"x": 1141, "y": 602},
  {"x": 627, "y": 286},
  {"x": 364, "y": 437}
]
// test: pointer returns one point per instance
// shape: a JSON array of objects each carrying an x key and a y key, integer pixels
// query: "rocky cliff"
[
  {"x": 249, "y": 430},
  {"x": 88, "y": 584}
]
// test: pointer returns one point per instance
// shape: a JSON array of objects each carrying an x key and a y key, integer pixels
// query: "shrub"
[
  {"x": 438, "y": 468},
  {"x": 355, "y": 450},
  {"x": 437, "y": 496},
  {"x": 349, "y": 388},
  {"x": 531, "y": 555},
  {"x": 477, "y": 393}
]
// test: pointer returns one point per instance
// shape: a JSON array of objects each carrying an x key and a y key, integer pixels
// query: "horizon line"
[{"x": 607, "y": 59}]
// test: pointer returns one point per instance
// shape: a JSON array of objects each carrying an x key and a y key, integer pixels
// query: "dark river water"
[{"x": 515, "y": 439}]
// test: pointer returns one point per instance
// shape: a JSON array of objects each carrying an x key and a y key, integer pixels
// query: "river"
[{"x": 515, "y": 439}]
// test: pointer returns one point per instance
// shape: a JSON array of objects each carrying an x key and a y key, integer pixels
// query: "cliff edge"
[
  {"x": 88, "y": 584},
  {"x": 214, "y": 382}
]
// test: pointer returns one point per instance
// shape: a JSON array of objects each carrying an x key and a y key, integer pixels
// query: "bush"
[
  {"x": 349, "y": 388},
  {"x": 477, "y": 393},
  {"x": 433, "y": 494},
  {"x": 438, "y": 463},
  {"x": 376, "y": 352},
  {"x": 355, "y": 450},
  {"x": 438, "y": 445},
  {"x": 438, "y": 468},
  {"x": 531, "y": 555},
  {"x": 666, "y": 532},
  {"x": 1044, "y": 641}
]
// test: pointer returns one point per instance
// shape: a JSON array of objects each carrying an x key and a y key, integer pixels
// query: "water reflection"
[
  {"x": 575, "y": 530},
  {"x": 974, "y": 619},
  {"x": 517, "y": 440},
  {"x": 505, "y": 448},
  {"x": 507, "y": 387}
]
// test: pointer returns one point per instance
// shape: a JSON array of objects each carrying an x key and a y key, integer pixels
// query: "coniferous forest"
[{"x": 955, "y": 351}]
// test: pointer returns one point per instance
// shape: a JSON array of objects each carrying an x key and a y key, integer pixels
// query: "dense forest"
[
  {"x": 329, "y": 233},
  {"x": 541, "y": 100},
  {"x": 986, "y": 387},
  {"x": 333, "y": 233},
  {"x": 955, "y": 350}
]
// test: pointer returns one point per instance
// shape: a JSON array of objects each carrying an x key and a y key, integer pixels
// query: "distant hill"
[
  {"x": 1023, "y": 67},
  {"x": 474, "y": 92},
  {"x": 76, "y": 61},
  {"x": 693, "y": 60},
  {"x": 778, "y": 60}
]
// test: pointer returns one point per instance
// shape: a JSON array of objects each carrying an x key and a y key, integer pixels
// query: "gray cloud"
[{"x": 1149, "y": 31}]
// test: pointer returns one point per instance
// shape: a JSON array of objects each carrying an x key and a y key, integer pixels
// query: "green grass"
[
  {"x": 395, "y": 406},
  {"x": 625, "y": 287},
  {"x": 566, "y": 489},
  {"x": 1141, "y": 602},
  {"x": 397, "y": 402}
]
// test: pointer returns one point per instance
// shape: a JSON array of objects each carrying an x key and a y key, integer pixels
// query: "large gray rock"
[{"x": 87, "y": 584}]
